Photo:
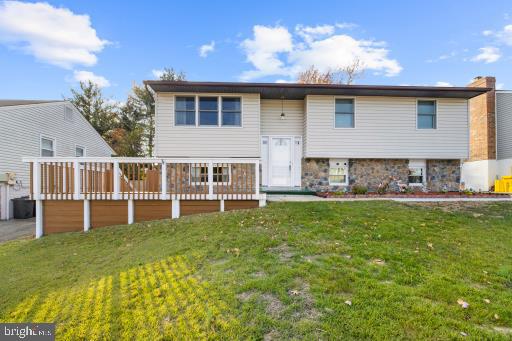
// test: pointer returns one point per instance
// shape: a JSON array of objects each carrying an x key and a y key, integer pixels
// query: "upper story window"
[
  {"x": 47, "y": 147},
  {"x": 427, "y": 114},
  {"x": 208, "y": 111},
  {"x": 231, "y": 111},
  {"x": 79, "y": 151},
  {"x": 185, "y": 113},
  {"x": 344, "y": 116}
]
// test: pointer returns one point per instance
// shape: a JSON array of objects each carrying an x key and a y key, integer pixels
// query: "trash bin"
[{"x": 23, "y": 208}]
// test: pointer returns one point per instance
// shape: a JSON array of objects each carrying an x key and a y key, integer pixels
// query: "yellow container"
[{"x": 504, "y": 185}]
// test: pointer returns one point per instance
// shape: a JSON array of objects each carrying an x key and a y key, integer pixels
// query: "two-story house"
[{"x": 320, "y": 137}]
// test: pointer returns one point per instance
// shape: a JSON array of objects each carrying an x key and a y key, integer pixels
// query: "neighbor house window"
[
  {"x": 79, "y": 151},
  {"x": 221, "y": 174},
  {"x": 47, "y": 146},
  {"x": 208, "y": 111},
  {"x": 338, "y": 172},
  {"x": 344, "y": 116},
  {"x": 185, "y": 111},
  {"x": 427, "y": 115},
  {"x": 231, "y": 111},
  {"x": 417, "y": 172}
]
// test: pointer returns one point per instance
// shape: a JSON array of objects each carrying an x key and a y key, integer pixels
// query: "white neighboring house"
[{"x": 32, "y": 128}]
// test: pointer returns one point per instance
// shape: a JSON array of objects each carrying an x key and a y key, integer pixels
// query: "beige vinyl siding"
[
  {"x": 180, "y": 141},
  {"x": 271, "y": 122},
  {"x": 23, "y": 125},
  {"x": 504, "y": 125},
  {"x": 385, "y": 127}
]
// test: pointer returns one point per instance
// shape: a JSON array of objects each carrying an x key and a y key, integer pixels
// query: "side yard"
[{"x": 318, "y": 270}]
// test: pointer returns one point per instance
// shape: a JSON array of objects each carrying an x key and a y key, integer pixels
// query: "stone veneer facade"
[{"x": 441, "y": 174}]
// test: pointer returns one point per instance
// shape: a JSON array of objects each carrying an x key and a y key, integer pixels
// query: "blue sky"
[{"x": 46, "y": 47}]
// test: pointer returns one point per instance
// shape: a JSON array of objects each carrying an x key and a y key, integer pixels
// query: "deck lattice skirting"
[{"x": 122, "y": 190}]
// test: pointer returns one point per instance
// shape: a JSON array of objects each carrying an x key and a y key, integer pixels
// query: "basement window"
[
  {"x": 338, "y": 172},
  {"x": 417, "y": 172},
  {"x": 221, "y": 175}
]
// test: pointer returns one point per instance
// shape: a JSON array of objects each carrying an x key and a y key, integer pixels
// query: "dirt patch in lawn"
[
  {"x": 274, "y": 305},
  {"x": 259, "y": 274},
  {"x": 245, "y": 296},
  {"x": 272, "y": 335},
  {"x": 302, "y": 292},
  {"x": 283, "y": 251},
  {"x": 456, "y": 206}
]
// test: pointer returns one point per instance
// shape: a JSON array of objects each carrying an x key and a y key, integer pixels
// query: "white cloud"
[
  {"x": 263, "y": 51},
  {"x": 283, "y": 81},
  {"x": 503, "y": 36},
  {"x": 500, "y": 86},
  {"x": 488, "y": 54},
  {"x": 346, "y": 25},
  {"x": 274, "y": 51},
  {"x": 445, "y": 84},
  {"x": 309, "y": 33},
  {"x": 157, "y": 73},
  {"x": 53, "y": 35},
  {"x": 84, "y": 76},
  {"x": 205, "y": 49}
]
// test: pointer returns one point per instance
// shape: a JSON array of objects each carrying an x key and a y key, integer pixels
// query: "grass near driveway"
[{"x": 286, "y": 271}]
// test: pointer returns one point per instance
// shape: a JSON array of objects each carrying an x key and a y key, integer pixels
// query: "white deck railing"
[{"x": 94, "y": 178}]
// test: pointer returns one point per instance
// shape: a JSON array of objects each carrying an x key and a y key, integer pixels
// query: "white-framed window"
[
  {"x": 221, "y": 175},
  {"x": 231, "y": 111},
  {"x": 47, "y": 145},
  {"x": 79, "y": 151},
  {"x": 338, "y": 172},
  {"x": 417, "y": 172},
  {"x": 426, "y": 114},
  {"x": 185, "y": 111},
  {"x": 208, "y": 111},
  {"x": 344, "y": 115}
]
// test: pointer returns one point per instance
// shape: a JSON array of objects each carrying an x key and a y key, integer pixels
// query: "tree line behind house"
[{"x": 129, "y": 127}]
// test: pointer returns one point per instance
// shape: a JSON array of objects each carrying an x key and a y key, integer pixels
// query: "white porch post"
[
  {"x": 36, "y": 178},
  {"x": 164, "y": 181},
  {"x": 39, "y": 218},
  {"x": 116, "y": 180},
  {"x": 130, "y": 211},
  {"x": 175, "y": 209},
  {"x": 77, "y": 183},
  {"x": 210, "y": 180},
  {"x": 222, "y": 205},
  {"x": 87, "y": 215},
  {"x": 257, "y": 175}
]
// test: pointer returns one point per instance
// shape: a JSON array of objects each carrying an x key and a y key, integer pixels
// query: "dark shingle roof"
[{"x": 299, "y": 91}]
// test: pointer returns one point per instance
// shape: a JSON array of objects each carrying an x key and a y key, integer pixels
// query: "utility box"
[{"x": 9, "y": 178}]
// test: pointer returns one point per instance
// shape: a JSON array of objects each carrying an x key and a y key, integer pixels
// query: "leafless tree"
[{"x": 341, "y": 75}]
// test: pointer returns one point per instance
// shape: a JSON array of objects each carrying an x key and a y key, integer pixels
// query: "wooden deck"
[{"x": 97, "y": 192}]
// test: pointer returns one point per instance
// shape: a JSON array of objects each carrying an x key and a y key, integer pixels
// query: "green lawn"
[{"x": 285, "y": 271}]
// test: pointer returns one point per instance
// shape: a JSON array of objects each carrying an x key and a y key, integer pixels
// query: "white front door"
[{"x": 281, "y": 161}]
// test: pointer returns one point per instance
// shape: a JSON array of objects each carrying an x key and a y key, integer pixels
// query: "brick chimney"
[{"x": 482, "y": 120}]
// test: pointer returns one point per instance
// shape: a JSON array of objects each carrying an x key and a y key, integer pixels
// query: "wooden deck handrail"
[{"x": 144, "y": 178}]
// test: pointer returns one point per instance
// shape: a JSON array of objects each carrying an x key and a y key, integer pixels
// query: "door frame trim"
[{"x": 292, "y": 156}]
